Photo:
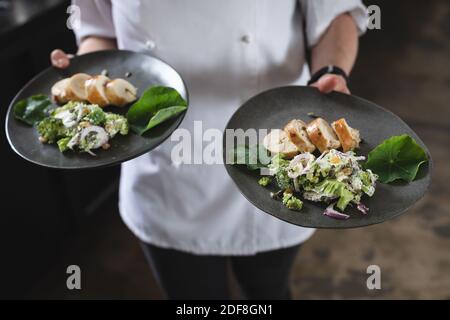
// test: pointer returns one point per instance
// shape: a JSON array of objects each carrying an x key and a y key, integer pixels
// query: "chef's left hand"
[{"x": 331, "y": 82}]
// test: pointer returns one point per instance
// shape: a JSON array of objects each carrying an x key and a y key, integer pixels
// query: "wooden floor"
[{"x": 404, "y": 67}]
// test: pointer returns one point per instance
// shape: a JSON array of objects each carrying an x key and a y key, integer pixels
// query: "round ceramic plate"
[
  {"x": 274, "y": 108},
  {"x": 145, "y": 71}
]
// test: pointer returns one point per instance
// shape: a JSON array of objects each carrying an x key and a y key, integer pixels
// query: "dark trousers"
[{"x": 183, "y": 275}]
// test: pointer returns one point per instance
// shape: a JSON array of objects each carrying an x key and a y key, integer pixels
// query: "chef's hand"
[
  {"x": 60, "y": 59},
  {"x": 331, "y": 82}
]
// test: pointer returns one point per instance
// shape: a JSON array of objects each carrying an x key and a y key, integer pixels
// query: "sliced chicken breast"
[
  {"x": 76, "y": 90},
  {"x": 277, "y": 141},
  {"x": 120, "y": 92},
  {"x": 59, "y": 89},
  {"x": 348, "y": 136},
  {"x": 296, "y": 132},
  {"x": 95, "y": 90},
  {"x": 322, "y": 135}
]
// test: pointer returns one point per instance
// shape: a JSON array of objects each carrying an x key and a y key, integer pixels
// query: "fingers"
[
  {"x": 60, "y": 59},
  {"x": 326, "y": 84},
  {"x": 331, "y": 82}
]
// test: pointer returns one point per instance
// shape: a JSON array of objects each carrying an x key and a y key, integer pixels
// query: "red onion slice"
[
  {"x": 362, "y": 208},
  {"x": 330, "y": 212}
]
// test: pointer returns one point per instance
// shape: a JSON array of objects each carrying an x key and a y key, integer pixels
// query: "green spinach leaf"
[
  {"x": 251, "y": 156},
  {"x": 160, "y": 116},
  {"x": 142, "y": 115},
  {"x": 33, "y": 109},
  {"x": 397, "y": 158}
]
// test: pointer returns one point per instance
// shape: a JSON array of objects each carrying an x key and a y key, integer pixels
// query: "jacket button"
[
  {"x": 150, "y": 44},
  {"x": 245, "y": 39}
]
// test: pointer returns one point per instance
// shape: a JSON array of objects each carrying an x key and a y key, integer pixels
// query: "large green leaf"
[
  {"x": 160, "y": 116},
  {"x": 33, "y": 109},
  {"x": 397, "y": 158},
  {"x": 142, "y": 115}
]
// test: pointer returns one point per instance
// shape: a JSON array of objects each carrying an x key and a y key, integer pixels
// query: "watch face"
[{"x": 330, "y": 69}]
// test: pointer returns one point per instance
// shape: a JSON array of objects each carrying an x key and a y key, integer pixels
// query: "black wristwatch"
[{"x": 328, "y": 69}]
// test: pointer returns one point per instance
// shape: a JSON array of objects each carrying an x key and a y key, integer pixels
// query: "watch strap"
[{"x": 330, "y": 69}]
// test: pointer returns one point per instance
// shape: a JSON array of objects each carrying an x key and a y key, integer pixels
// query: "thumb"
[
  {"x": 60, "y": 59},
  {"x": 326, "y": 84}
]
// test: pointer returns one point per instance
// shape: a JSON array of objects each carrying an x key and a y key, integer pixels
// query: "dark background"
[
  {"x": 51, "y": 219},
  {"x": 41, "y": 207}
]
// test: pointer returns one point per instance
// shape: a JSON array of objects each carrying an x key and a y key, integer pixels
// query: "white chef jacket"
[{"x": 226, "y": 51}]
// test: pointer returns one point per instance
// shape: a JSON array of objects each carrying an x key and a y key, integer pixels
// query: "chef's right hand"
[{"x": 60, "y": 59}]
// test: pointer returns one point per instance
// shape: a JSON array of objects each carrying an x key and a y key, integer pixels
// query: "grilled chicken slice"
[
  {"x": 277, "y": 141},
  {"x": 59, "y": 91},
  {"x": 120, "y": 92},
  {"x": 75, "y": 90},
  {"x": 322, "y": 136},
  {"x": 296, "y": 132},
  {"x": 95, "y": 90},
  {"x": 348, "y": 136}
]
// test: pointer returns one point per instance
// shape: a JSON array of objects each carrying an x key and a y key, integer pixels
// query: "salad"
[
  {"x": 334, "y": 177},
  {"x": 81, "y": 127}
]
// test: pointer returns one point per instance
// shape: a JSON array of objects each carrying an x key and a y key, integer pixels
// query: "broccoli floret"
[
  {"x": 51, "y": 130},
  {"x": 283, "y": 180},
  {"x": 279, "y": 165},
  {"x": 62, "y": 144},
  {"x": 115, "y": 123},
  {"x": 279, "y": 161},
  {"x": 112, "y": 116},
  {"x": 292, "y": 202},
  {"x": 97, "y": 116},
  {"x": 264, "y": 181},
  {"x": 124, "y": 127}
]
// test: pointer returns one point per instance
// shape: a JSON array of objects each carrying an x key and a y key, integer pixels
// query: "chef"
[{"x": 193, "y": 223}]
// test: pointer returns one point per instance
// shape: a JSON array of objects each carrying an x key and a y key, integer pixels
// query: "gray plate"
[
  {"x": 145, "y": 72},
  {"x": 274, "y": 108}
]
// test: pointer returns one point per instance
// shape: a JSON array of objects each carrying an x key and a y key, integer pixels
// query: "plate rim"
[
  {"x": 396, "y": 215},
  {"x": 9, "y": 115}
]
